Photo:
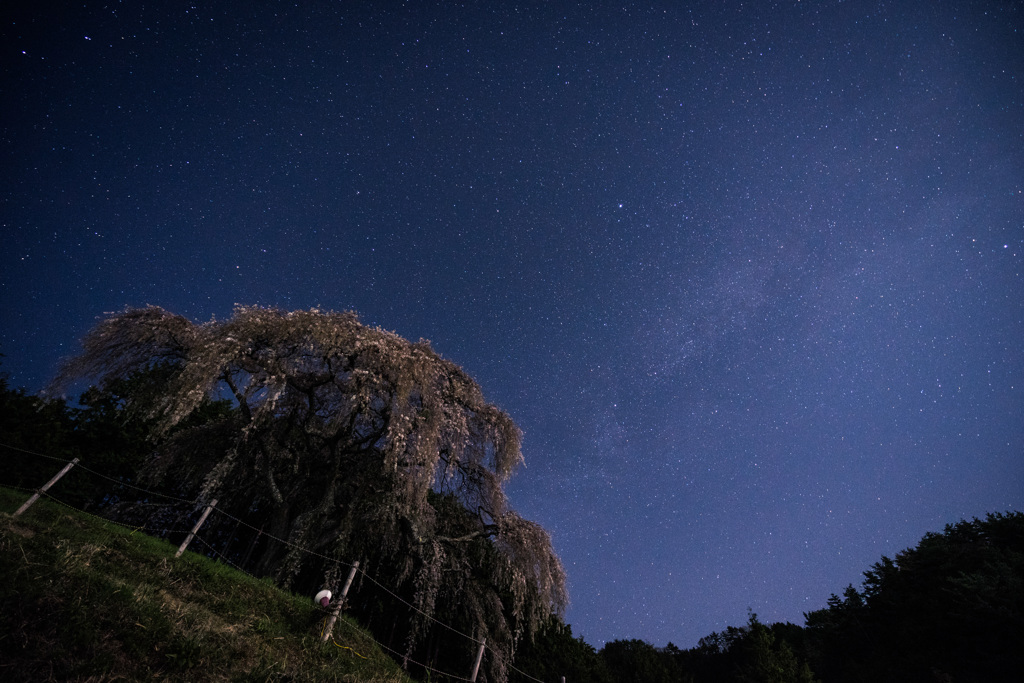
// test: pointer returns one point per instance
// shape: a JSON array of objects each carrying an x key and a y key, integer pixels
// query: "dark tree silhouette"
[
  {"x": 949, "y": 609},
  {"x": 346, "y": 440}
]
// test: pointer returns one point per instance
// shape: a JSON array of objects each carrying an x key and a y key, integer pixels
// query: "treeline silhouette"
[{"x": 949, "y": 609}]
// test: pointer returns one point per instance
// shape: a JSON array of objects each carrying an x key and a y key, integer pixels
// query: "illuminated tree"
[{"x": 346, "y": 440}]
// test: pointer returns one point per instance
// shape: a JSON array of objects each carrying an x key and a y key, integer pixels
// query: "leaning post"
[
  {"x": 339, "y": 604},
  {"x": 479, "y": 658},
  {"x": 192, "y": 534},
  {"x": 41, "y": 491}
]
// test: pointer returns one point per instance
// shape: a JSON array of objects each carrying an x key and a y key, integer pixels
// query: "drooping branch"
[{"x": 488, "y": 531}]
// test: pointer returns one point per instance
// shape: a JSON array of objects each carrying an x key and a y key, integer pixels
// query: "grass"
[{"x": 82, "y": 599}]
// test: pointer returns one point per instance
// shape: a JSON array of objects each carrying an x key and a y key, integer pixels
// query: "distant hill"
[{"x": 84, "y": 599}]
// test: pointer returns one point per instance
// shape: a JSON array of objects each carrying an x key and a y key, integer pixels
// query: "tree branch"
[
  {"x": 488, "y": 531},
  {"x": 242, "y": 404}
]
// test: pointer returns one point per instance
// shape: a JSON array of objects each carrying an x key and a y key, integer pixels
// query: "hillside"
[{"x": 83, "y": 599}]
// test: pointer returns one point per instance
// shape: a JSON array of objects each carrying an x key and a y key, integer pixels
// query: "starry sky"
[{"x": 747, "y": 274}]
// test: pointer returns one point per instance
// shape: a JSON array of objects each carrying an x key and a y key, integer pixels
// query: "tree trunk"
[{"x": 270, "y": 558}]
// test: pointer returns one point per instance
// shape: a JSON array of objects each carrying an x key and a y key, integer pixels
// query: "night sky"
[{"x": 750, "y": 276}]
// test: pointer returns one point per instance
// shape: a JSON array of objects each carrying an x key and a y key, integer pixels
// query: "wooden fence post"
[
  {"x": 192, "y": 534},
  {"x": 41, "y": 491},
  {"x": 339, "y": 604},
  {"x": 479, "y": 658}
]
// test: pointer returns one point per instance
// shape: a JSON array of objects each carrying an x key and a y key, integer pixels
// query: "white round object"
[{"x": 323, "y": 598}]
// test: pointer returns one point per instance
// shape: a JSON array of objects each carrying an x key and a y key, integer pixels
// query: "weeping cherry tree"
[{"x": 348, "y": 441}]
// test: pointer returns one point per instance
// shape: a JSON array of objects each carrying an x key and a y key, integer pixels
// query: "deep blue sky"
[{"x": 748, "y": 275}]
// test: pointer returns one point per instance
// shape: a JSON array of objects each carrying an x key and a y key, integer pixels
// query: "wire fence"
[{"x": 168, "y": 528}]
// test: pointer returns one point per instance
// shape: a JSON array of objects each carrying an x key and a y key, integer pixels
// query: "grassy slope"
[{"x": 83, "y": 599}]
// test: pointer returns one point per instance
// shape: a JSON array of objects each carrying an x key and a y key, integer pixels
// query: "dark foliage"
[
  {"x": 554, "y": 653},
  {"x": 28, "y": 423},
  {"x": 951, "y": 609},
  {"x": 636, "y": 660}
]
